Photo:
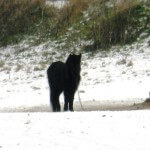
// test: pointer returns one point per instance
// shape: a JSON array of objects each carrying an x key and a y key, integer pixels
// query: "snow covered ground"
[
  {"x": 110, "y": 80},
  {"x": 75, "y": 131},
  {"x": 120, "y": 75}
]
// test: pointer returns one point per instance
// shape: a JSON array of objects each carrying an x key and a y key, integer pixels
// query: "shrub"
[
  {"x": 21, "y": 17},
  {"x": 104, "y": 23},
  {"x": 118, "y": 24}
]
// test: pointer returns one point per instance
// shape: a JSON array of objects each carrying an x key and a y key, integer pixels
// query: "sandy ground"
[{"x": 86, "y": 106}]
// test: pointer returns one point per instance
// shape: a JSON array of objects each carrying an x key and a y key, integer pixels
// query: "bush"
[
  {"x": 21, "y": 17},
  {"x": 102, "y": 22},
  {"x": 119, "y": 24}
]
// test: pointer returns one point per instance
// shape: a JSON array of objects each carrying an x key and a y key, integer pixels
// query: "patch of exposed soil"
[{"x": 87, "y": 106}]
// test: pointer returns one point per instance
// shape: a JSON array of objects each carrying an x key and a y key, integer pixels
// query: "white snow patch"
[{"x": 75, "y": 131}]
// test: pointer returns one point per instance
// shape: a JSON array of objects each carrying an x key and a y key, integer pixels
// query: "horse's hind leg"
[
  {"x": 54, "y": 99},
  {"x": 57, "y": 105},
  {"x": 68, "y": 101}
]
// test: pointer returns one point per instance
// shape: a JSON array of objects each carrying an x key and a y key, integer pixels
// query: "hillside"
[
  {"x": 85, "y": 25},
  {"x": 113, "y": 83},
  {"x": 115, "y": 76},
  {"x": 122, "y": 74},
  {"x": 118, "y": 73}
]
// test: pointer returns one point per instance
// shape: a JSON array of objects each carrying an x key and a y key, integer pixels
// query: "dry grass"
[
  {"x": 125, "y": 5},
  {"x": 19, "y": 17},
  {"x": 78, "y": 20},
  {"x": 105, "y": 25},
  {"x": 74, "y": 9}
]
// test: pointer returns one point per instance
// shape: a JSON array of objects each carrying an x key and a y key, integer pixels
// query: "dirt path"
[{"x": 87, "y": 106}]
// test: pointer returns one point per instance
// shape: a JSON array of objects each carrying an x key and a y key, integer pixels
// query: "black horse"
[{"x": 64, "y": 77}]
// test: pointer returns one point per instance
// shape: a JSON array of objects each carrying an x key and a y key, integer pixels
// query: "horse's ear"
[{"x": 70, "y": 55}]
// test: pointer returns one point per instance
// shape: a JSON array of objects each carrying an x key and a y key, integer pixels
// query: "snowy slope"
[
  {"x": 113, "y": 80},
  {"x": 119, "y": 75}
]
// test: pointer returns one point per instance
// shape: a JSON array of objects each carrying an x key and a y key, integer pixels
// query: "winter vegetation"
[
  {"x": 100, "y": 23},
  {"x": 114, "y": 39}
]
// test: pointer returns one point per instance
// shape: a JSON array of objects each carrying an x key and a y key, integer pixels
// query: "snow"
[
  {"x": 80, "y": 130},
  {"x": 126, "y": 70},
  {"x": 113, "y": 86},
  {"x": 56, "y": 3},
  {"x": 121, "y": 75}
]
